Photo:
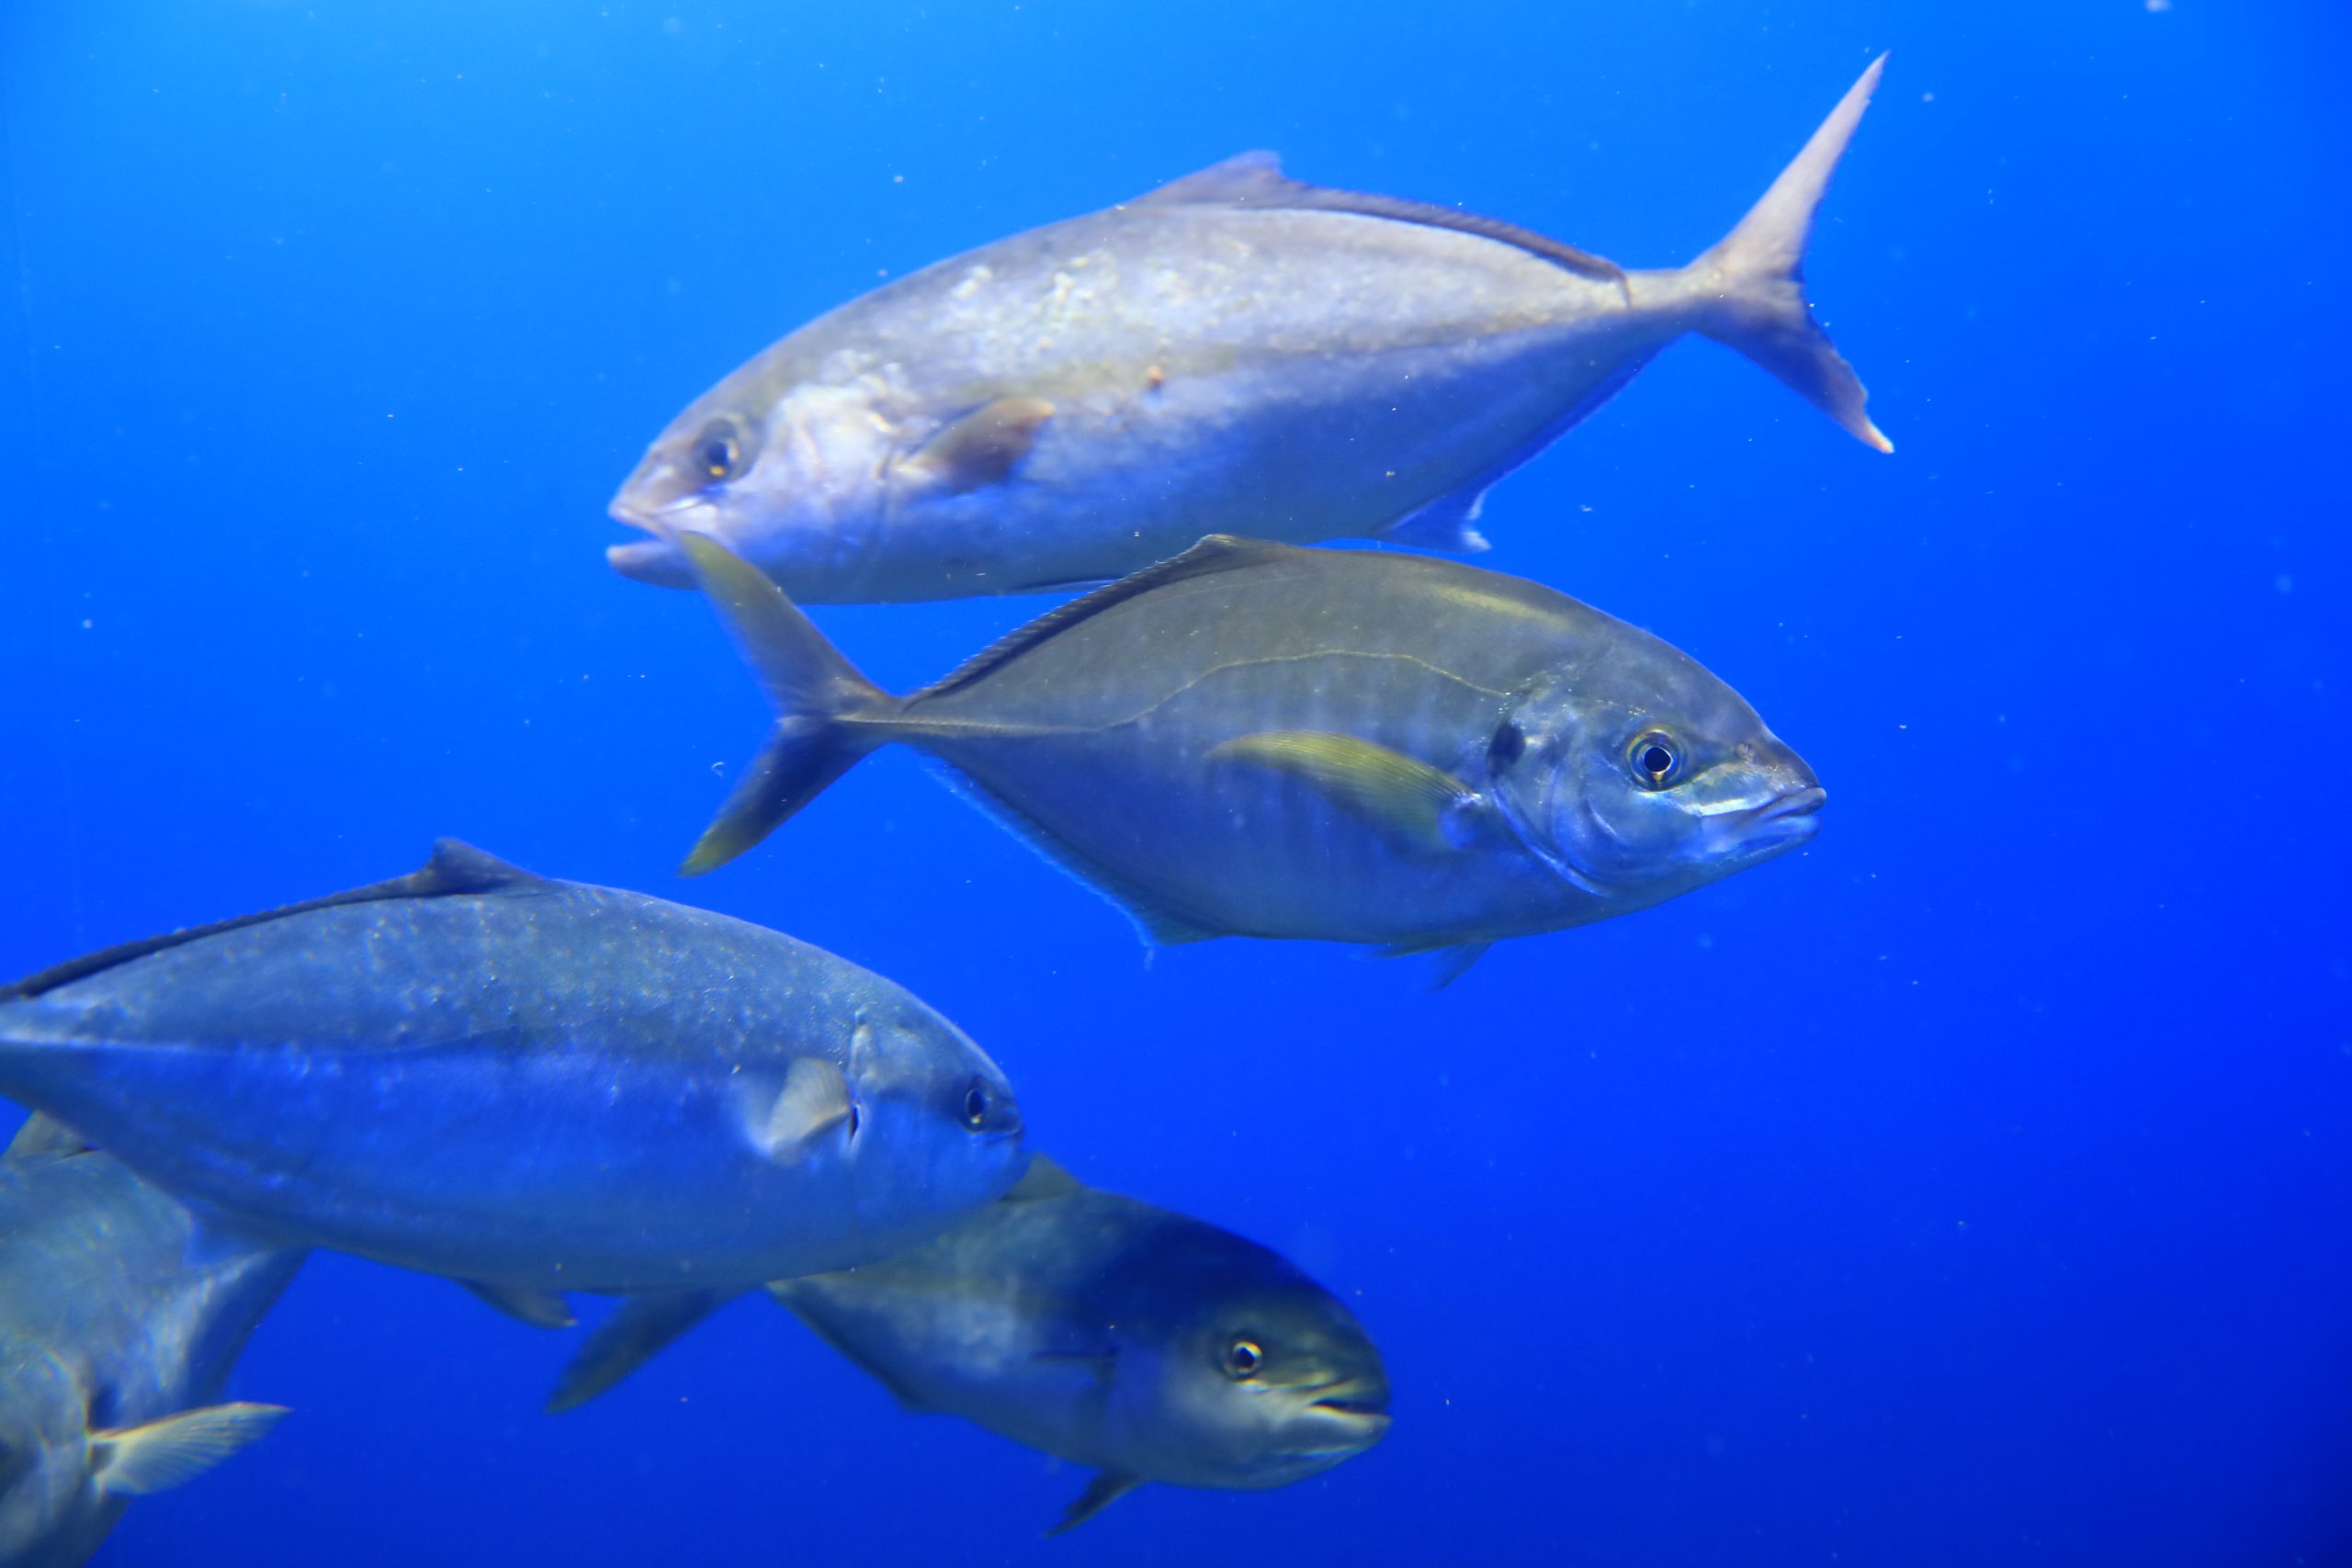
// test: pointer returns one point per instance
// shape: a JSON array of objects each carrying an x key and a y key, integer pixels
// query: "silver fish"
[
  {"x": 1234, "y": 353},
  {"x": 120, "y": 1318},
  {"x": 1146, "y": 1345},
  {"x": 534, "y": 1085},
  {"x": 1353, "y": 746}
]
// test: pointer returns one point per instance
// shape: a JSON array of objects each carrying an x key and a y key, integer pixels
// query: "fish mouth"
[
  {"x": 1339, "y": 1429},
  {"x": 1354, "y": 1415},
  {"x": 1785, "y": 820},
  {"x": 1359, "y": 1408}
]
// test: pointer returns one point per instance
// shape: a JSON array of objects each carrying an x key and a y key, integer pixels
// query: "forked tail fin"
[
  {"x": 1758, "y": 277},
  {"x": 818, "y": 695}
]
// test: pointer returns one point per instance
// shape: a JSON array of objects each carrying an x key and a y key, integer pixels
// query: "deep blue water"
[{"x": 1971, "y": 1188}]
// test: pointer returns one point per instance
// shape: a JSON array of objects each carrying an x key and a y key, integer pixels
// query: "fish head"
[
  {"x": 1261, "y": 1384},
  {"x": 44, "y": 1450},
  {"x": 1637, "y": 776},
  {"x": 782, "y": 478},
  {"x": 935, "y": 1129}
]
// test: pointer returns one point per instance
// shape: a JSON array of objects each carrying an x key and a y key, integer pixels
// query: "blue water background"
[{"x": 1971, "y": 1188}]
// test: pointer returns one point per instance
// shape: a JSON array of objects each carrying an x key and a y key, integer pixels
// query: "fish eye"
[
  {"x": 718, "y": 449},
  {"x": 1509, "y": 746},
  {"x": 1243, "y": 1358},
  {"x": 1655, "y": 760},
  {"x": 976, "y": 1104}
]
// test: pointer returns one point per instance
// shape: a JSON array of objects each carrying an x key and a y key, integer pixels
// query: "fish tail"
[
  {"x": 828, "y": 714},
  {"x": 1754, "y": 278}
]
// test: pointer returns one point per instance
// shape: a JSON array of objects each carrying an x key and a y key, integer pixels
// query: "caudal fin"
[
  {"x": 819, "y": 697},
  {"x": 1757, "y": 276}
]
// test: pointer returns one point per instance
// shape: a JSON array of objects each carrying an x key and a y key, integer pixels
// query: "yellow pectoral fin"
[
  {"x": 1386, "y": 788},
  {"x": 131, "y": 1461}
]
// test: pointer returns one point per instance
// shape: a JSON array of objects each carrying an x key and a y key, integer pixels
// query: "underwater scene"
[{"x": 954, "y": 781}]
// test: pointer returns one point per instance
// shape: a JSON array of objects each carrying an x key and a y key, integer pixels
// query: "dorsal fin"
[
  {"x": 1043, "y": 1179},
  {"x": 1217, "y": 553},
  {"x": 455, "y": 868},
  {"x": 1256, "y": 179}
]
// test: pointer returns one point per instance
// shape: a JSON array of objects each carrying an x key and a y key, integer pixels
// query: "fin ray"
[
  {"x": 1214, "y": 554},
  {"x": 1256, "y": 180},
  {"x": 813, "y": 689},
  {"x": 1758, "y": 274},
  {"x": 1159, "y": 925},
  {"x": 135, "y": 1461},
  {"x": 455, "y": 868}
]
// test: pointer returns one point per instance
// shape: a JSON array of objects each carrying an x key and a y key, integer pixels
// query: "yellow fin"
[
  {"x": 1384, "y": 788},
  {"x": 134, "y": 1460}
]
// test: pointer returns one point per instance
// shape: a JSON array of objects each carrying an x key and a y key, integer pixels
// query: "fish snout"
[
  {"x": 1789, "y": 819},
  {"x": 1335, "y": 1428}
]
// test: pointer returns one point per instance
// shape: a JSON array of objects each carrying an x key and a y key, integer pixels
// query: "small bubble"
[{"x": 2283, "y": 583}]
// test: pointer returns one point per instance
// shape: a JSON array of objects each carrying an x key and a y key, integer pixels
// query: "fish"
[
  {"x": 1236, "y": 352},
  {"x": 532, "y": 1085},
  {"x": 120, "y": 1317},
  {"x": 1345, "y": 745},
  {"x": 1145, "y": 1344}
]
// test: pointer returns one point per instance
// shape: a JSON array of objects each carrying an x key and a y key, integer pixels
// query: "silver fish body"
[
  {"x": 120, "y": 1315},
  {"x": 1142, "y": 1343},
  {"x": 534, "y": 1084},
  {"x": 1343, "y": 745},
  {"x": 1236, "y": 353}
]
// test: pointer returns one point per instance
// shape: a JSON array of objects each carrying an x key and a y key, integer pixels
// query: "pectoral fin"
[
  {"x": 813, "y": 1100},
  {"x": 130, "y": 1461},
  {"x": 43, "y": 1137},
  {"x": 982, "y": 447},
  {"x": 1043, "y": 1179},
  {"x": 540, "y": 1309},
  {"x": 1105, "y": 1489},
  {"x": 1386, "y": 788}
]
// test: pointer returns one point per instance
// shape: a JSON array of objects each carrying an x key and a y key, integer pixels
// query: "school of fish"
[{"x": 536, "y": 1088}]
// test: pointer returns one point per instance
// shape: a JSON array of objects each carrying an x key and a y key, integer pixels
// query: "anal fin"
[
  {"x": 540, "y": 1309},
  {"x": 638, "y": 1329},
  {"x": 1107, "y": 1487},
  {"x": 1158, "y": 924}
]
